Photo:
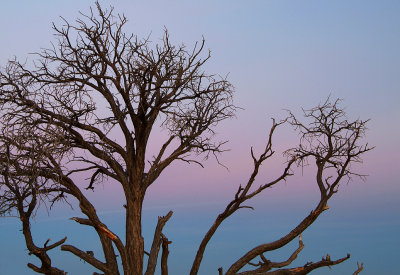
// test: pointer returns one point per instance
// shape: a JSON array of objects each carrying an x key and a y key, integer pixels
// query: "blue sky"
[{"x": 279, "y": 55}]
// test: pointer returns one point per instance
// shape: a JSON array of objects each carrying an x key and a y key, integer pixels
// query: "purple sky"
[{"x": 279, "y": 55}]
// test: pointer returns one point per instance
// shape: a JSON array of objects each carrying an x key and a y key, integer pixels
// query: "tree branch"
[
  {"x": 157, "y": 241},
  {"x": 242, "y": 195},
  {"x": 164, "y": 255},
  {"x": 360, "y": 268},
  {"x": 87, "y": 257}
]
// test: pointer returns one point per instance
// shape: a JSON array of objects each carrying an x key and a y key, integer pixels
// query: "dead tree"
[
  {"x": 96, "y": 84},
  {"x": 22, "y": 193},
  {"x": 329, "y": 140}
]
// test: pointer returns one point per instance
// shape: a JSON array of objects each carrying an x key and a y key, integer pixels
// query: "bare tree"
[{"x": 61, "y": 118}]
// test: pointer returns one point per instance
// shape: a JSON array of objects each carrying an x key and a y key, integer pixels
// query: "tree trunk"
[{"x": 134, "y": 239}]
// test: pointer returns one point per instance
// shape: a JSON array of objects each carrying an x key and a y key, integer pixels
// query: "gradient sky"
[{"x": 279, "y": 55}]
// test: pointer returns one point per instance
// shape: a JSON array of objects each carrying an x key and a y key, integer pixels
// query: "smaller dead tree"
[
  {"x": 24, "y": 186},
  {"x": 327, "y": 139}
]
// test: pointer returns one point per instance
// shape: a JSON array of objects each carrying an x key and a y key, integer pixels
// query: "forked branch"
[
  {"x": 265, "y": 265},
  {"x": 360, "y": 268},
  {"x": 307, "y": 268}
]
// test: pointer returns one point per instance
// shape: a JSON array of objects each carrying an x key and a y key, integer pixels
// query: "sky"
[{"x": 278, "y": 55}]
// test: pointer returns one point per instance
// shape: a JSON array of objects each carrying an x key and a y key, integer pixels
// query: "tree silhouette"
[{"x": 89, "y": 104}]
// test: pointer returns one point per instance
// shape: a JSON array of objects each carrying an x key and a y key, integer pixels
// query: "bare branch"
[
  {"x": 87, "y": 257},
  {"x": 243, "y": 194},
  {"x": 360, "y": 268},
  {"x": 82, "y": 221},
  {"x": 157, "y": 241},
  {"x": 164, "y": 255},
  {"x": 266, "y": 265}
]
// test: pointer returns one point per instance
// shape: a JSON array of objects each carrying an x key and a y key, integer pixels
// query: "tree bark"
[{"x": 134, "y": 240}]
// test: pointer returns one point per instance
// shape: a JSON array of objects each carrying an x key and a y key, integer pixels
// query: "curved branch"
[
  {"x": 267, "y": 265},
  {"x": 360, "y": 268},
  {"x": 242, "y": 195}
]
